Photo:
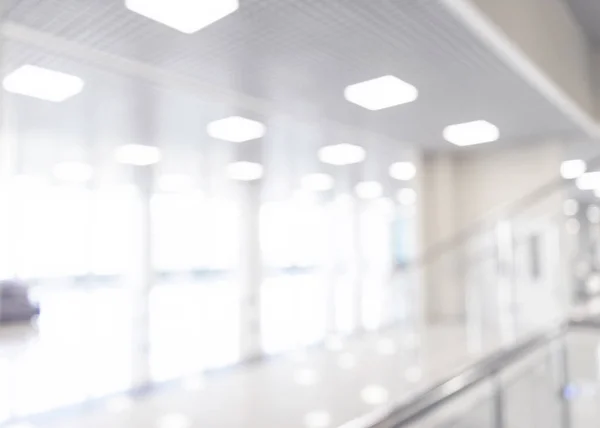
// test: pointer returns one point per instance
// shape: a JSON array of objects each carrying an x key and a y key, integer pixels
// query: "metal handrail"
[{"x": 404, "y": 413}]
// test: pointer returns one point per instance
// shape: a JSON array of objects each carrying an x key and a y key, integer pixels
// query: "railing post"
[
  {"x": 563, "y": 381},
  {"x": 498, "y": 402}
]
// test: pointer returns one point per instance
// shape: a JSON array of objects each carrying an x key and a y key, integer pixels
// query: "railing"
[{"x": 490, "y": 383}]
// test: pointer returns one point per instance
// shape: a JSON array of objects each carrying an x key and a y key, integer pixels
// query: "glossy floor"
[{"x": 83, "y": 350}]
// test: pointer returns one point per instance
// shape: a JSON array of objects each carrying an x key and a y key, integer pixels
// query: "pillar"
[{"x": 250, "y": 270}]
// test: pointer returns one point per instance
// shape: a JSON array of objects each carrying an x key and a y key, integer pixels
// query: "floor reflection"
[{"x": 90, "y": 341}]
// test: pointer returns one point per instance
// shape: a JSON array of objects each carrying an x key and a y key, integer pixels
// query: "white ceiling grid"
[{"x": 302, "y": 54}]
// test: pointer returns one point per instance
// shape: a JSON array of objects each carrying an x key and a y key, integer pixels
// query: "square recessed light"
[
  {"x": 403, "y": 171},
  {"x": 42, "y": 83},
  {"x": 236, "y": 129},
  {"x": 471, "y": 133},
  {"x": 589, "y": 181},
  {"x": 572, "y": 168},
  {"x": 380, "y": 93},
  {"x": 187, "y": 16},
  {"x": 342, "y": 154}
]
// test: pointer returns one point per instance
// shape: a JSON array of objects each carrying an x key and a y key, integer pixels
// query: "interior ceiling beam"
[{"x": 539, "y": 40}]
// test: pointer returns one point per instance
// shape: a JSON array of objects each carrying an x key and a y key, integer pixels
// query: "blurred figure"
[{"x": 15, "y": 305}]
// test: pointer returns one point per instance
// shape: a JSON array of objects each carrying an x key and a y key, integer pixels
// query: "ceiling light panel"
[
  {"x": 42, "y": 83},
  {"x": 236, "y": 129},
  {"x": 381, "y": 93},
  {"x": 471, "y": 133},
  {"x": 589, "y": 181},
  {"x": 342, "y": 154},
  {"x": 403, "y": 171},
  {"x": 137, "y": 154},
  {"x": 187, "y": 16},
  {"x": 244, "y": 171},
  {"x": 572, "y": 168}
]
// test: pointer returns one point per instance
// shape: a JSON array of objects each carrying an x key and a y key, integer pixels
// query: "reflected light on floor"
[
  {"x": 174, "y": 420},
  {"x": 305, "y": 377},
  {"x": 317, "y": 419},
  {"x": 374, "y": 395}
]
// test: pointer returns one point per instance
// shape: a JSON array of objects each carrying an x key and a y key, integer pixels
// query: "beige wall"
[{"x": 461, "y": 189}]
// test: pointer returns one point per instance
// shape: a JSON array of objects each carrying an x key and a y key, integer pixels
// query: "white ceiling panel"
[{"x": 299, "y": 55}]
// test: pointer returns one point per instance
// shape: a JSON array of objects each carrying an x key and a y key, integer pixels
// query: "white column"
[
  {"x": 250, "y": 270},
  {"x": 141, "y": 275},
  {"x": 11, "y": 223},
  {"x": 358, "y": 265}
]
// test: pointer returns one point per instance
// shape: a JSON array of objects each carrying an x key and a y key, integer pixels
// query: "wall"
[{"x": 462, "y": 188}]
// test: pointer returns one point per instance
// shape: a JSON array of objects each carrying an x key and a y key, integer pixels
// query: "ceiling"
[
  {"x": 587, "y": 13},
  {"x": 285, "y": 56}
]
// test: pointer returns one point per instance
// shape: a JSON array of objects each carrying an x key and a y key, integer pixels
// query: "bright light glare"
[
  {"x": 375, "y": 395},
  {"x": 342, "y": 154},
  {"x": 174, "y": 420},
  {"x": 407, "y": 197},
  {"x": 172, "y": 183},
  {"x": 306, "y": 377},
  {"x": 22, "y": 183},
  {"x": 369, "y": 190},
  {"x": 403, "y": 171},
  {"x": 187, "y": 16},
  {"x": 471, "y": 133},
  {"x": 118, "y": 404},
  {"x": 317, "y": 182},
  {"x": 381, "y": 93},
  {"x": 589, "y": 181},
  {"x": 78, "y": 172},
  {"x": 572, "y": 168},
  {"x": 137, "y": 154},
  {"x": 244, "y": 171},
  {"x": 236, "y": 129},
  {"x": 38, "y": 82},
  {"x": 317, "y": 419}
]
